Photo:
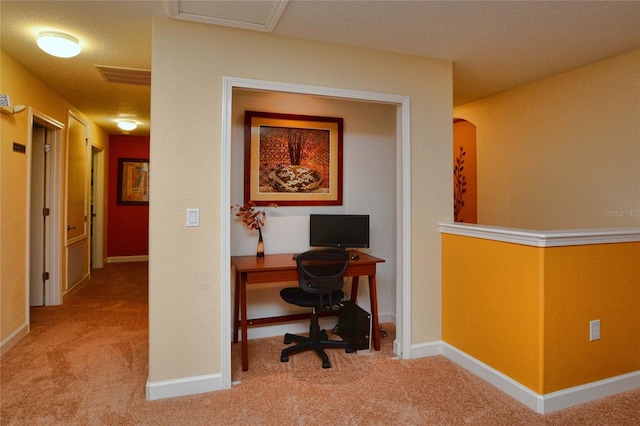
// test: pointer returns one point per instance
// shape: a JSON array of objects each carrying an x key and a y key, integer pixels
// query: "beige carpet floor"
[{"x": 85, "y": 363}]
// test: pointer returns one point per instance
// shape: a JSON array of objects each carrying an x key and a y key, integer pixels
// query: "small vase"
[{"x": 260, "y": 251}]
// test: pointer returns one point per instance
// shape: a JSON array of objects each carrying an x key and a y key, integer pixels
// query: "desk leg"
[
  {"x": 236, "y": 308},
  {"x": 354, "y": 289},
  {"x": 373, "y": 295},
  {"x": 243, "y": 322}
]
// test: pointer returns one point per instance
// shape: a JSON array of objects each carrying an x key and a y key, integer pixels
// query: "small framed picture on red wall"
[{"x": 133, "y": 181}]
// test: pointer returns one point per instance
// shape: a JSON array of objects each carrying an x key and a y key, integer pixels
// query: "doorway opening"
[
  {"x": 402, "y": 344},
  {"x": 96, "y": 214},
  {"x": 465, "y": 180}
]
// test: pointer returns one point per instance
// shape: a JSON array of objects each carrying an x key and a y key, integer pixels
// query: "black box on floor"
[{"x": 354, "y": 324}]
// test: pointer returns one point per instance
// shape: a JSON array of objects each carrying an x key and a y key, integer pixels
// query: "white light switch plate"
[{"x": 193, "y": 217}]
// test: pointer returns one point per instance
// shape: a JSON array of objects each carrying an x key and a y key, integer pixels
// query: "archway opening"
[{"x": 465, "y": 176}]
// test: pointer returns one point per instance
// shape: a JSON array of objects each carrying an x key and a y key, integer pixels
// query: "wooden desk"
[{"x": 281, "y": 267}]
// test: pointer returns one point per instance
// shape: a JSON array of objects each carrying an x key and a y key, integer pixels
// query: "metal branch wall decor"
[{"x": 460, "y": 185}]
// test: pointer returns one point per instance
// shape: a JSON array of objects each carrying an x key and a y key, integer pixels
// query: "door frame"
[
  {"x": 97, "y": 194},
  {"x": 402, "y": 344},
  {"x": 52, "y": 287}
]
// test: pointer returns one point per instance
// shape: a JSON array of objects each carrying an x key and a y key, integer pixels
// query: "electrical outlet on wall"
[{"x": 594, "y": 330}]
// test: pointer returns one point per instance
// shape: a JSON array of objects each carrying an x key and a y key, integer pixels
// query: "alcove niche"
[
  {"x": 369, "y": 187},
  {"x": 372, "y": 150}
]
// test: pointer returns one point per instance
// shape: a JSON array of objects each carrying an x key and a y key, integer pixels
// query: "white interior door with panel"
[
  {"x": 77, "y": 239},
  {"x": 39, "y": 215}
]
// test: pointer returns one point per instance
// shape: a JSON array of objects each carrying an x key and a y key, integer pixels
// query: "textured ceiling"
[{"x": 494, "y": 45}]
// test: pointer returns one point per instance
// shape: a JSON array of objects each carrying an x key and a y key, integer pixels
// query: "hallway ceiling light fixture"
[
  {"x": 127, "y": 125},
  {"x": 59, "y": 44}
]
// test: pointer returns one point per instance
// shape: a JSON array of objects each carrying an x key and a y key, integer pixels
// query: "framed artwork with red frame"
[{"x": 292, "y": 160}]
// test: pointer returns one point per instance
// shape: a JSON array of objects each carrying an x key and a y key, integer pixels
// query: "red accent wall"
[{"x": 127, "y": 225}]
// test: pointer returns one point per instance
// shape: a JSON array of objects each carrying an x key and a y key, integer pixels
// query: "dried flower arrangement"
[{"x": 252, "y": 218}]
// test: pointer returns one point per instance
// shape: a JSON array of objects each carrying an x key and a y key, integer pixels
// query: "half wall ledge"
[
  {"x": 545, "y": 238},
  {"x": 517, "y": 308}
]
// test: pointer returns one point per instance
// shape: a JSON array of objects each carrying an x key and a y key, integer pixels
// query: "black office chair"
[{"x": 321, "y": 278}]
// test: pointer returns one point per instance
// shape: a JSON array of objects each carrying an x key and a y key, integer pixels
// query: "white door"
[{"x": 37, "y": 265}]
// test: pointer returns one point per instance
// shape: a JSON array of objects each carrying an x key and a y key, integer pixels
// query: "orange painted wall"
[
  {"x": 491, "y": 304},
  {"x": 584, "y": 283},
  {"x": 525, "y": 310}
]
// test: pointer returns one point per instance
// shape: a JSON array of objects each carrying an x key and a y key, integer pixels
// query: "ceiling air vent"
[{"x": 125, "y": 75}]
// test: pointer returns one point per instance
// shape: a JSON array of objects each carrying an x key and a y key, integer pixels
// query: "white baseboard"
[
  {"x": 13, "y": 339},
  {"x": 501, "y": 381},
  {"x": 424, "y": 350},
  {"x": 591, "y": 391},
  {"x": 542, "y": 404},
  {"x": 184, "y": 386},
  {"x": 122, "y": 259}
]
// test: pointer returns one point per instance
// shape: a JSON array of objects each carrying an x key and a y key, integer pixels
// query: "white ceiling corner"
[{"x": 258, "y": 15}]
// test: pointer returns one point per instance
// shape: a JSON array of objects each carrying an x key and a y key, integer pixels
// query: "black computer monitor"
[{"x": 339, "y": 230}]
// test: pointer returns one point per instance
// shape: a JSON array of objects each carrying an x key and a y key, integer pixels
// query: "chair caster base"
[
  {"x": 350, "y": 350},
  {"x": 284, "y": 358},
  {"x": 289, "y": 338},
  {"x": 326, "y": 364}
]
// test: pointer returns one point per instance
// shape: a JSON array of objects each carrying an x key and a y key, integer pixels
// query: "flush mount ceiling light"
[
  {"x": 127, "y": 125},
  {"x": 59, "y": 44}
]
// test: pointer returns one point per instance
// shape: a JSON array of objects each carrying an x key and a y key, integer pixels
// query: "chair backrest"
[{"x": 321, "y": 271}]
